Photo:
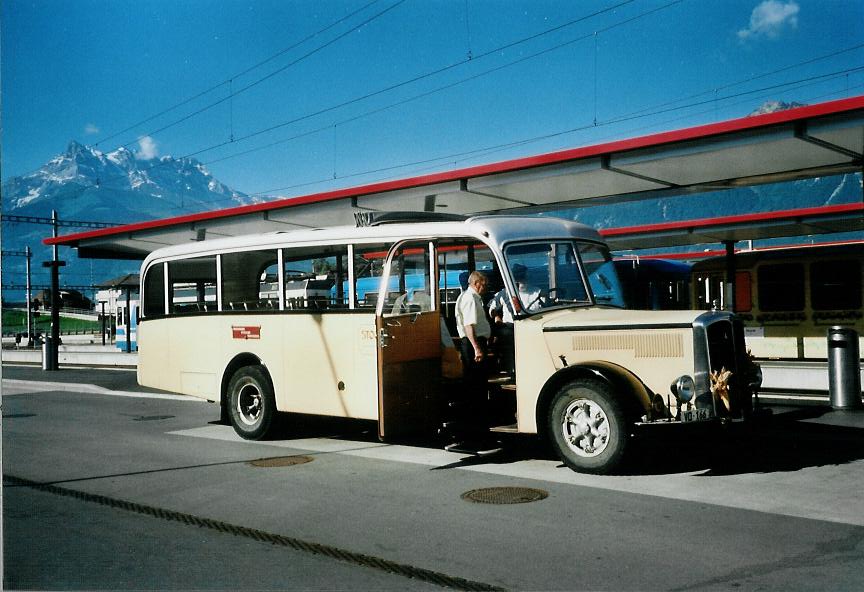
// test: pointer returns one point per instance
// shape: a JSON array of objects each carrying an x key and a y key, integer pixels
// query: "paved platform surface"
[
  {"x": 124, "y": 380},
  {"x": 146, "y": 490}
]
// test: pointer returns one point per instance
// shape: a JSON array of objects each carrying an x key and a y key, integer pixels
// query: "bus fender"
[{"x": 634, "y": 394}]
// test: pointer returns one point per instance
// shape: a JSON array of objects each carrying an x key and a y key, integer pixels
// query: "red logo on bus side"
[{"x": 244, "y": 332}]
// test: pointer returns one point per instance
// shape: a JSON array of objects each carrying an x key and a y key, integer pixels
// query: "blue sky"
[{"x": 513, "y": 78}]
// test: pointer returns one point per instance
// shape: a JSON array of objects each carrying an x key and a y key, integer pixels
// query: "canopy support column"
[{"x": 729, "y": 293}]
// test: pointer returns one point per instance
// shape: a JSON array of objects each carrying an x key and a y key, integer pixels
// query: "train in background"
[
  {"x": 650, "y": 283},
  {"x": 788, "y": 296},
  {"x": 126, "y": 326}
]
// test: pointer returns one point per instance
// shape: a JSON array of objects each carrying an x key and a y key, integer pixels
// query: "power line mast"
[
  {"x": 51, "y": 349},
  {"x": 29, "y": 255}
]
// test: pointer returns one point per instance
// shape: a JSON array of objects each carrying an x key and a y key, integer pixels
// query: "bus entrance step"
[
  {"x": 502, "y": 379},
  {"x": 476, "y": 448},
  {"x": 506, "y": 429}
]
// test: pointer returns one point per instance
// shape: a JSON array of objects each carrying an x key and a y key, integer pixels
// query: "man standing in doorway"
[{"x": 474, "y": 331}]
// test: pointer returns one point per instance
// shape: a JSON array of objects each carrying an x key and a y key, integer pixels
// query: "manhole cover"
[
  {"x": 505, "y": 495},
  {"x": 152, "y": 417},
  {"x": 281, "y": 461}
]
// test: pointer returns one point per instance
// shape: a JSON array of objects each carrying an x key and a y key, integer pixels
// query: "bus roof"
[{"x": 493, "y": 230}]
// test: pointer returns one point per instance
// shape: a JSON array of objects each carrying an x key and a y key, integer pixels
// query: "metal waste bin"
[
  {"x": 844, "y": 368},
  {"x": 49, "y": 354}
]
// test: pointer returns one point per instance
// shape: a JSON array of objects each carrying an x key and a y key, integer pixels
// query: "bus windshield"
[
  {"x": 602, "y": 275},
  {"x": 547, "y": 274}
]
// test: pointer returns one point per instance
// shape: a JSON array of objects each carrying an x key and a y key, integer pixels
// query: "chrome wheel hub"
[
  {"x": 249, "y": 404},
  {"x": 585, "y": 428}
]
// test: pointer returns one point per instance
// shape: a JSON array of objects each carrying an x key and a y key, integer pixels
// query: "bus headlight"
[{"x": 684, "y": 388}]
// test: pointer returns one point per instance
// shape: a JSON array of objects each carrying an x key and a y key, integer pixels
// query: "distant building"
[
  {"x": 68, "y": 299},
  {"x": 120, "y": 297},
  {"x": 113, "y": 293}
]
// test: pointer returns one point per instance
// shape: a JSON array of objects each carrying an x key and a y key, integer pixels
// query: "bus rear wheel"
[
  {"x": 588, "y": 427},
  {"x": 251, "y": 403}
]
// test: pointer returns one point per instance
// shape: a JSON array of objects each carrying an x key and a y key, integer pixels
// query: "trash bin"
[
  {"x": 49, "y": 354},
  {"x": 844, "y": 368}
]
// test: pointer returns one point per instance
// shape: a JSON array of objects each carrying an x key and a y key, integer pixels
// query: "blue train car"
[
  {"x": 655, "y": 284},
  {"x": 126, "y": 326}
]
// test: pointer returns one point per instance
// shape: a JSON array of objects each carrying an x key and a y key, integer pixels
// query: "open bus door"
[{"x": 408, "y": 321}]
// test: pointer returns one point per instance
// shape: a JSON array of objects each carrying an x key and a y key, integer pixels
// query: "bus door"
[{"x": 409, "y": 342}]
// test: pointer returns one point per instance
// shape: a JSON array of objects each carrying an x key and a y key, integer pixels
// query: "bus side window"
[
  {"x": 316, "y": 277},
  {"x": 456, "y": 259},
  {"x": 154, "y": 290},
  {"x": 250, "y": 280},
  {"x": 410, "y": 286},
  {"x": 368, "y": 270},
  {"x": 192, "y": 284}
]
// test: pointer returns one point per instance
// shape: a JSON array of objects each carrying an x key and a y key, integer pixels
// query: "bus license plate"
[{"x": 695, "y": 414}]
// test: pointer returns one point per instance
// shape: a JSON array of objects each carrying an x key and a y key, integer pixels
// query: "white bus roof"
[{"x": 493, "y": 230}]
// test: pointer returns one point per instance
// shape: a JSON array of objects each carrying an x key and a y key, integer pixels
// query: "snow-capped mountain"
[
  {"x": 111, "y": 187},
  {"x": 774, "y": 106},
  {"x": 85, "y": 184}
]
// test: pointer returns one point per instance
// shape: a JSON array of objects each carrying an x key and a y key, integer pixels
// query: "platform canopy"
[
  {"x": 816, "y": 140},
  {"x": 840, "y": 218}
]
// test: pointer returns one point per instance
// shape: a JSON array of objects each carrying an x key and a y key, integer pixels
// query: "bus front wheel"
[
  {"x": 588, "y": 426},
  {"x": 251, "y": 404}
]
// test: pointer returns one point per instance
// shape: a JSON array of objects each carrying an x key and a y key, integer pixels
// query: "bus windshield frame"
[{"x": 561, "y": 273}]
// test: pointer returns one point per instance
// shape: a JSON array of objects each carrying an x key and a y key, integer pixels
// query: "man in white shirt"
[
  {"x": 474, "y": 331},
  {"x": 471, "y": 322}
]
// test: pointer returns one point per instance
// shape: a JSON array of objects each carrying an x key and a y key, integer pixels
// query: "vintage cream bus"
[{"x": 286, "y": 322}]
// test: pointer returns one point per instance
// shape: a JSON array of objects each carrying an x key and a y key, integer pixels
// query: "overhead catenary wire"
[
  {"x": 252, "y": 85},
  {"x": 645, "y": 112},
  {"x": 500, "y": 147},
  {"x": 390, "y": 88},
  {"x": 394, "y": 86},
  {"x": 269, "y": 76},
  {"x": 229, "y": 81},
  {"x": 722, "y": 87},
  {"x": 429, "y": 74},
  {"x": 437, "y": 71},
  {"x": 612, "y": 121},
  {"x": 462, "y": 81},
  {"x": 642, "y": 113},
  {"x": 403, "y": 83}
]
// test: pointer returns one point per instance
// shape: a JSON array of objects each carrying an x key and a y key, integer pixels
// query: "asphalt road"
[{"x": 108, "y": 486}]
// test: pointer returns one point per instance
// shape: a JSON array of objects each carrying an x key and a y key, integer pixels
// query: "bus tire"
[
  {"x": 588, "y": 427},
  {"x": 251, "y": 403}
]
